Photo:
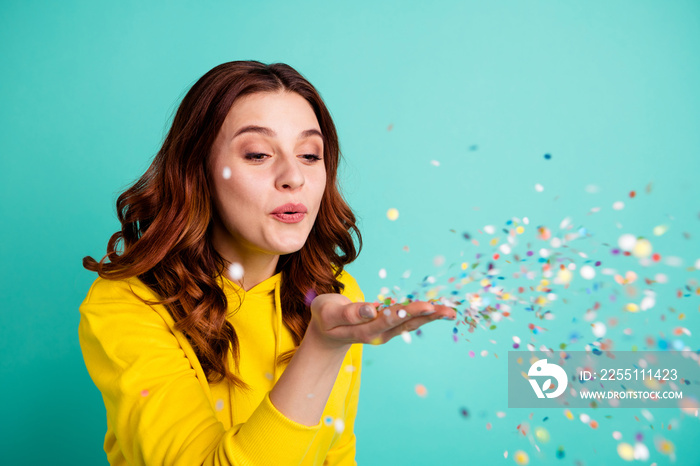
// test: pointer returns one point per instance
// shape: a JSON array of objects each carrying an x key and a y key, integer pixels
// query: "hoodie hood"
[{"x": 263, "y": 290}]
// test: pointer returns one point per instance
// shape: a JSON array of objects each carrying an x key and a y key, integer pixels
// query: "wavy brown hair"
[{"x": 166, "y": 220}]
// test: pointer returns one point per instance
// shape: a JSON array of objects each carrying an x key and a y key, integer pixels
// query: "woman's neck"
[{"x": 255, "y": 270}]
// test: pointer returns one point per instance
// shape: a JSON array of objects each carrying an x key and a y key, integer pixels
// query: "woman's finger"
[
  {"x": 396, "y": 315},
  {"x": 335, "y": 310},
  {"x": 408, "y": 326},
  {"x": 390, "y": 318}
]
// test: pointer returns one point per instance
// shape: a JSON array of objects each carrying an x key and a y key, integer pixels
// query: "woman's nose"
[{"x": 289, "y": 174}]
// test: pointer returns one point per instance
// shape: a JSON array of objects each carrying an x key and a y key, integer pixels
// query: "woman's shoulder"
[{"x": 130, "y": 289}]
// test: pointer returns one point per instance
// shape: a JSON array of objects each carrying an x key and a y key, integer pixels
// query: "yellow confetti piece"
[
  {"x": 660, "y": 230},
  {"x": 569, "y": 415},
  {"x": 542, "y": 434},
  {"x": 493, "y": 242},
  {"x": 521, "y": 457},
  {"x": 564, "y": 275},
  {"x": 392, "y": 214},
  {"x": 464, "y": 266},
  {"x": 626, "y": 451},
  {"x": 485, "y": 282},
  {"x": 505, "y": 296},
  {"x": 665, "y": 446},
  {"x": 642, "y": 248},
  {"x": 631, "y": 307},
  {"x": 376, "y": 341},
  {"x": 520, "y": 230}
]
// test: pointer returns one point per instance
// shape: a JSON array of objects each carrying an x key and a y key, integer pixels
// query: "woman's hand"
[{"x": 338, "y": 322}]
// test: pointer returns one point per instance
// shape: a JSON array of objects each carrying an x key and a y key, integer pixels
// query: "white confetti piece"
[
  {"x": 587, "y": 272},
  {"x": 599, "y": 329},
  {"x": 382, "y": 273},
  {"x": 235, "y": 270},
  {"x": 539, "y": 188},
  {"x": 627, "y": 242}
]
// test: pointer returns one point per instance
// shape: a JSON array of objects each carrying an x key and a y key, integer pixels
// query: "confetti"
[
  {"x": 539, "y": 188},
  {"x": 641, "y": 452},
  {"x": 642, "y": 248},
  {"x": 382, "y": 273},
  {"x": 560, "y": 452},
  {"x": 626, "y": 451},
  {"x": 392, "y": 214},
  {"x": 542, "y": 434},
  {"x": 520, "y": 457},
  {"x": 627, "y": 242},
  {"x": 664, "y": 446},
  {"x": 406, "y": 337},
  {"x": 515, "y": 276},
  {"x": 219, "y": 404},
  {"x": 587, "y": 272},
  {"x": 226, "y": 173},
  {"x": 339, "y": 425},
  {"x": 235, "y": 270},
  {"x": 660, "y": 230},
  {"x": 435, "y": 163},
  {"x": 598, "y": 329}
]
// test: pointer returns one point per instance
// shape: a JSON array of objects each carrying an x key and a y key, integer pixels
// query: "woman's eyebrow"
[{"x": 270, "y": 133}]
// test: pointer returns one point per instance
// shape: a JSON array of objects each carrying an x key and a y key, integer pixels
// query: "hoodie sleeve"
[
  {"x": 343, "y": 452},
  {"x": 158, "y": 408}
]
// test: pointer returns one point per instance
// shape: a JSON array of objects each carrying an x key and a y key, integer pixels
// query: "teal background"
[{"x": 608, "y": 88}]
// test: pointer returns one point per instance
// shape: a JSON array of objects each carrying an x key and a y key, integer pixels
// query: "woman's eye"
[
  {"x": 311, "y": 157},
  {"x": 255, "y": 156}
]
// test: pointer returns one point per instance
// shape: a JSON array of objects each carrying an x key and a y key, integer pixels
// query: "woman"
[{"x": 227, "y": 331}]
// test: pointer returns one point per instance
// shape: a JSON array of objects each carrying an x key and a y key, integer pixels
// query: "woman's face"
[{"x": 268, "y": 153}]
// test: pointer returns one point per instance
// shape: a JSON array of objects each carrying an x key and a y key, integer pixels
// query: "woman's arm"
[{"x": 337, "y": 323}]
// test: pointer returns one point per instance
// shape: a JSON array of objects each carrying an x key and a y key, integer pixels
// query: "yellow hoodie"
[{"x": 162, "y": 411}]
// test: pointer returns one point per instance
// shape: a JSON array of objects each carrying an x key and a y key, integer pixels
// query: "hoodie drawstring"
[{"x": 278, "y": 336}]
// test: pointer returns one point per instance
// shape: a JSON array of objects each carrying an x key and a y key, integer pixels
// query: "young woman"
[{"x": 226, "y": 331}]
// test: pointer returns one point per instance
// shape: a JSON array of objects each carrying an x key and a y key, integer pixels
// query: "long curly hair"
[{"x": 166, "y": 221}]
